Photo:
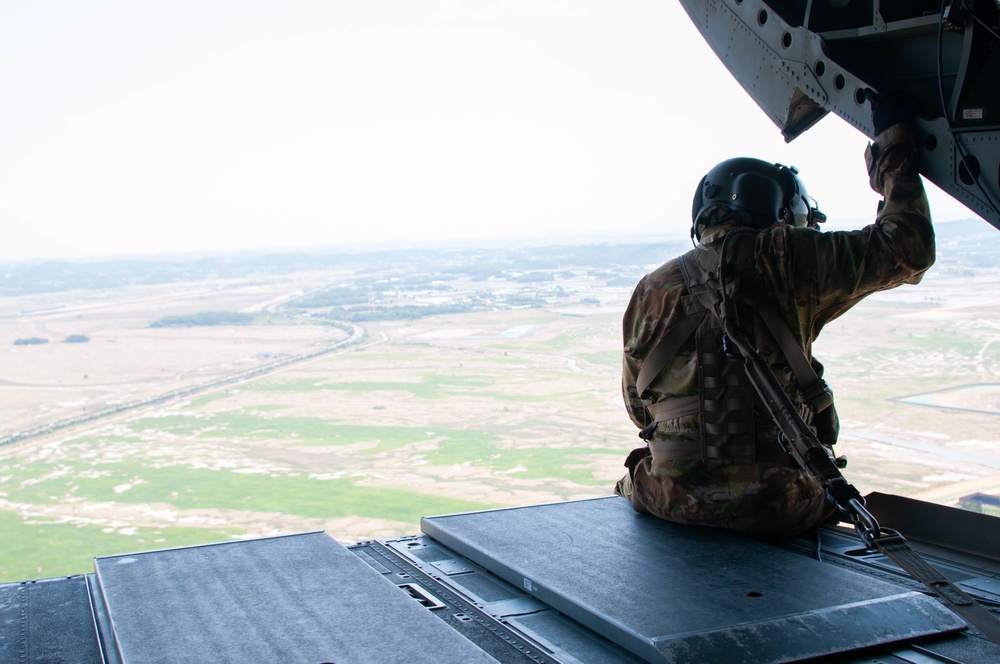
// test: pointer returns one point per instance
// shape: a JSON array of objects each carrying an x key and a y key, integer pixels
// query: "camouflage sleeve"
[
  {"x": 845, "y": 266},
  {"x": 631, "y": 322}
]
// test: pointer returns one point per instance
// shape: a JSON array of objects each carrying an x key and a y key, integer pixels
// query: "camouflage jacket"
[{"x": 812, "y": 277}]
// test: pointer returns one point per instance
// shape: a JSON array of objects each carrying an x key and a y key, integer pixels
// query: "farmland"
[{"x": 358, "y": 396}]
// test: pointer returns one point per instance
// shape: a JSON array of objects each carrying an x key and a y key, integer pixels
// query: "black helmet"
[{"x": 764, "y": 192}]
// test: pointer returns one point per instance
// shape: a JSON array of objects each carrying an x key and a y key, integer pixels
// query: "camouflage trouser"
[{"x": 759, "y": 499}]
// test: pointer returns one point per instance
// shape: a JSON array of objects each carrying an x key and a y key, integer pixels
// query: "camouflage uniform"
[{"x": 811, "y": 277}]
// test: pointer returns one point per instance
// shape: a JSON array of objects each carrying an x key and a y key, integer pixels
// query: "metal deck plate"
[
  {"x": 671, "y": 593},
  {"x": 299, "y": 598},
  {"x": 47, "y": 621}
]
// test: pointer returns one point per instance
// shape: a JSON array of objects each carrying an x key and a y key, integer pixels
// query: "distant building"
[
  {"x": 30, "y": 341},
  {"x": 981, "y": 502}
]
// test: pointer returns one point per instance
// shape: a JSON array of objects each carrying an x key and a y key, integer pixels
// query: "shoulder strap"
[
  {"x": 668, "y": 346},
  {"x": 666, "y": 349}
]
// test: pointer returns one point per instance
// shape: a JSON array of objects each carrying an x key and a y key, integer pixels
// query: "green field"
[
  {"x": 370, "y": 441},
  {"x": 430, "y": 416},
  {"x": 36, "y": 547}
]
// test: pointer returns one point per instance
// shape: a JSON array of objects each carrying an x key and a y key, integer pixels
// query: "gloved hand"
[
  {"x": 896, "y": 133},
  {"x": 889, "y": 108}
]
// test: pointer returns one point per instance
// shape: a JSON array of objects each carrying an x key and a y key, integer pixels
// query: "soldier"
[{"x": 713, "y": 455}]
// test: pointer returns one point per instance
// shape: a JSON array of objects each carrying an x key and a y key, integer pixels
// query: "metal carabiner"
[{"x": 864, "y": 523}]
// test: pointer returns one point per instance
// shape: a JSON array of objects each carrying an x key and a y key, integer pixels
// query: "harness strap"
[
  {"x": 665, "y": 350},
  {"x": 673, "y": 408},
  {"x": 675, "y": 450},
  {"x": 732, "y": 403},
  {"x": 813, "y": 388},
  {"x": 724, "y": 428},
  {"x": 726, "y": 399},
  {"x": 690, "y": 450},
  {"x": 726, "y": 380},
  {"x": 731, "y": 453}
]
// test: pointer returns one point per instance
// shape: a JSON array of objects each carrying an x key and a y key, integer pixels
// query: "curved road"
[{"x": 357, "y": 333}]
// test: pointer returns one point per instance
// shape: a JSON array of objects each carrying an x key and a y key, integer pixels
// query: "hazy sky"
[{"x": 139, "y": 127}]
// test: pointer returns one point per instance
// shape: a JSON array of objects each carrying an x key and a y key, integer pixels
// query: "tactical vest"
[{"x": 718, "y": 289}]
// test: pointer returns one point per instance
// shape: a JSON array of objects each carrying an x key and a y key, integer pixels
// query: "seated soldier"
[{"x": 713, "y": 455}]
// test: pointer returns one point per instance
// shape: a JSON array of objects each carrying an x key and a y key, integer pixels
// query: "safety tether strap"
[{"x": 895, "y": 546}]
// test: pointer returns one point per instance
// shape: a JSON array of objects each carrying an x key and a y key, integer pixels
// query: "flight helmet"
[{"x": 759, "y": 194}]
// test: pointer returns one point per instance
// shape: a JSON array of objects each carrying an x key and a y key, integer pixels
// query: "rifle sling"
[{"x": 812, "y": 386}]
